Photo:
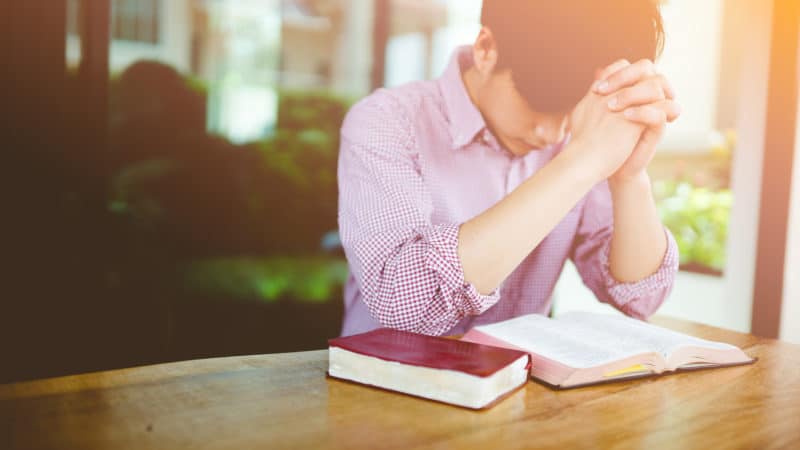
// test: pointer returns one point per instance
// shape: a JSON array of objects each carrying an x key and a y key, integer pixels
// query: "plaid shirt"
[{"x": 416, "y": 162}]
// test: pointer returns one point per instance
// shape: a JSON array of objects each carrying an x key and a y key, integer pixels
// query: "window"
[
  {"x": 248, "y": 96},
  {"x": 135, "y": 20},
  {"x": 424, "y": 34},
  {"x": 73, "y": 17},
  {"x": 73, "y": 39},
  {"x": 223, "y": 135},
  {"x": 692, "y": 170}
]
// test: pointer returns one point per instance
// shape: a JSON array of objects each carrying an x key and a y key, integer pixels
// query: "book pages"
[
  {"x": 569, "y": 344},
  {"x": 582, "y": 340},
  {"x": 631, "y": 335}
]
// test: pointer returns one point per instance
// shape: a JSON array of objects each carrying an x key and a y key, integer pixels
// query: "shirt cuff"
[
  {"x": 623, "y": 294},
  {"x": 443, "y": 259}
]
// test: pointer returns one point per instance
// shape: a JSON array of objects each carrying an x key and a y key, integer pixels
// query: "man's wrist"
[
  {"x": 636, "y": 183},
  {"x": 573, "y": 159}
]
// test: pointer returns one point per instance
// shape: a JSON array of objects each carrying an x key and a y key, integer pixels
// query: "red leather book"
[{"x": 447, "y": 370}]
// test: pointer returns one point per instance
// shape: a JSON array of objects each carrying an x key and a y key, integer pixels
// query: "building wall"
[
  {"x": 747, "y": 163},
  {"x": 693, "y": 40},
  {"x": 352, "y": 66},
  {"x": 306, "y": 53},
  {"x": 694, "y": 297},
  {"x": 790, "y": 314}
]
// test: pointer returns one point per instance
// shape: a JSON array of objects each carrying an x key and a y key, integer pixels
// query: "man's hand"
[
  {"x": 644, "y": 97},
  {"x": 602, "y": 140}
]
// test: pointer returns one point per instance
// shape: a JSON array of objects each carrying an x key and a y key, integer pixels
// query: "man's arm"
[
  {"x": 407, "y": 268},
  {"x": 638, "y": 245},
  {"x": 494, "y": 243},
  {"x": 591, "y": 253}
]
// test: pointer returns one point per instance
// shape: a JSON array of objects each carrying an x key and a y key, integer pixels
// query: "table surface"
[{"x": 286, "y": 401}]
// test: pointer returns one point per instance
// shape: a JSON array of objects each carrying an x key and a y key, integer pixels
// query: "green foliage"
[
  {"x": 306, "y": 144},
  {"x": 127, "y": 198},
  {"x": 698, "y": 218},
  {"x": 310, "y": 279},
  {"x": 203, "y": 201},
  {"x": 213, "y": 197},
  {"x": 303, "y": 110}
]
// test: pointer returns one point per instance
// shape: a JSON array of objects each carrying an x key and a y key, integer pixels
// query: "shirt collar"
[{"x": 465, "y": 119}]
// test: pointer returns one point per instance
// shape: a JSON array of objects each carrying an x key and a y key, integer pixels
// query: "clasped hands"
[{"x": 622, "y": 119}]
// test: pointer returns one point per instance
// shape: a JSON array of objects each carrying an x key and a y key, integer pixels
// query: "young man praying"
[{"x": 462, "y": 198}]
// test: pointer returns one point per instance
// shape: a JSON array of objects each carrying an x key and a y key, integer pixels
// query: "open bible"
[{"x": 585, "y": 348}]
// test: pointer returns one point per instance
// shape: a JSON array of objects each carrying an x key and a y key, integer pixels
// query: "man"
[{"x": 462, "y": 198}]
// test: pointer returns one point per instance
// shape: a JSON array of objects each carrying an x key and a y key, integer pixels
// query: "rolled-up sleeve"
[
  {"x": 406, "y": 267},
  {"x": 590, "y": 254}
]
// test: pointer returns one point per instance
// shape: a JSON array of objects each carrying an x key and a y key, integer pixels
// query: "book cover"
[{"x": 446, "y": 370}]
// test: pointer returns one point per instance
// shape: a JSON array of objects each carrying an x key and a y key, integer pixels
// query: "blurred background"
[{"x": 172, "y": 175}]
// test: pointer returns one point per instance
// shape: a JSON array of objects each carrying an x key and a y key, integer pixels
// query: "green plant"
[
  {"x": 308, "y": 279},
  {"x": 243, "y": 221},
  {"x": 181, "y": 184},
  {"x": 698, "y": 218}
]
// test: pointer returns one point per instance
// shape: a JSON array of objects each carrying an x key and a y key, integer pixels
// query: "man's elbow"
[{"x": 644, "y": 307}]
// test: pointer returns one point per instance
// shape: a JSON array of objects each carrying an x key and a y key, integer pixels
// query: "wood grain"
[{"x": 285, "y": 401}]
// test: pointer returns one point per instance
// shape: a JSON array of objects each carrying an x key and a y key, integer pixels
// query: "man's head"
[{"x": 535, "y": 59}]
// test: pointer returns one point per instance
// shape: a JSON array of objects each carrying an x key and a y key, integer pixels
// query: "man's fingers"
[
  {"x": 646, "y": 148},
  {"x": 670, "y": 108},
  {"x": 614, "y": 67},
  {"x": 626, "y": 76},
  {"x": 646, "y": 92},
  {"x": 669, "y": 92},
  {"x": 647, "y": 115}
]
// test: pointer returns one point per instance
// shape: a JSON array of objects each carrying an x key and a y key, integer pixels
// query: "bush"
[
  {"x": 241, "y": 220},
  {"x": 698, "y": 218},
  {"x": 310, "y": 280},
  {"x": 210, "y": 197}
]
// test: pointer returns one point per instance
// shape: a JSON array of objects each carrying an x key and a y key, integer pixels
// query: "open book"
[{"x": 585, "y": 348}]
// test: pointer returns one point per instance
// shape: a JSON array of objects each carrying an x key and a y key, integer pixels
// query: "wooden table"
[{"x": 285, "y": 401}]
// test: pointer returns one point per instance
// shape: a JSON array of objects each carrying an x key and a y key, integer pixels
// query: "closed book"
[
  {"x": 579, "y": 348},
  {"x": 447, "y": 370}
]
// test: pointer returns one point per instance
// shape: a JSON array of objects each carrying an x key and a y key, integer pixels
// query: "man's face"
[{"x": 518, "y": 127}]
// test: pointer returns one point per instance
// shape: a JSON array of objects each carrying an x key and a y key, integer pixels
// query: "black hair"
[{"x": 554, "y": 47}]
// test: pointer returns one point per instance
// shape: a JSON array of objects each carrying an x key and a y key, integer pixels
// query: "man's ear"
[{"x": 484, "y": 52}]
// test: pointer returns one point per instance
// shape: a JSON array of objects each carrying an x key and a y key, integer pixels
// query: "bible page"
[
  {"x": 570, "y": 343},
  {"x": 635, "y": 335}
]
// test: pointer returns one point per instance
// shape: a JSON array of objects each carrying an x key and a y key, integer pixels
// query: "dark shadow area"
[{"x": 140, "y": 237}]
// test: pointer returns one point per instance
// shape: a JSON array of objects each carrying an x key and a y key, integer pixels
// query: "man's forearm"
[
  {"x": 494, "y": 243},
  {"x": 638, "y": 244}
]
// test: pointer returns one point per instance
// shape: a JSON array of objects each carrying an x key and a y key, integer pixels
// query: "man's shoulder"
[
  {"x": 398, "y": 106},
  {"x": 407, "y": 96}
]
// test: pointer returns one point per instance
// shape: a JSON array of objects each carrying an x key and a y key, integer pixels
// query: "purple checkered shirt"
[{"x": 416, "y": 162}]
